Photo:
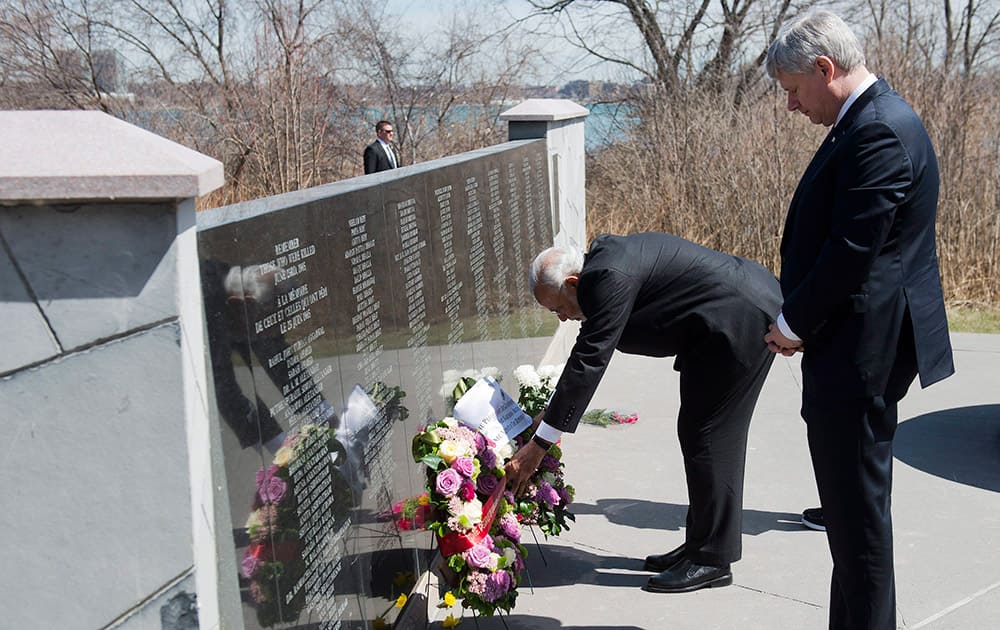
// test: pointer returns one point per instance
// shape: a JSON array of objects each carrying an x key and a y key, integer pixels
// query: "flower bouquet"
[
  {"x": 273, "y": 563},
  {"x": 548, "y": 498},
  {"x": 608, "y": 417},
  {"x": 535, "y": 386},
  {"x": 411, "y": 513},
  {"x": 474, "y": 521}
]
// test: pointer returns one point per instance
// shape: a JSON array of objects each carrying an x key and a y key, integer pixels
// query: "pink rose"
[
  {"x": 464, "y": 466},
  {"x": 479, "y": 556},
  {"x": 448, "y": 482},
  {"x": 249, "y": 566},
  {"x": 273, "y": 490}
]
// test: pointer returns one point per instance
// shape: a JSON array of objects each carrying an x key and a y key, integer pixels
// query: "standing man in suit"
[
  {"x": 381, "y": 155},
  {"x": 659, "y": 295},
  {"x": 862, "y": 296}
]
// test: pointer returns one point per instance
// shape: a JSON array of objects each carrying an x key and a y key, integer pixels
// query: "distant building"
[{"x": 103, "y": 73}]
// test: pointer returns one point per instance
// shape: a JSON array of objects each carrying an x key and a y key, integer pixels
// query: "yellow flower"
[
  {"x": 401, "y": 601},
  {"x": 424, "y": 499},
  {"x": 449, "y": 599},
  {"x": 451, "y": 621},
  {"x": 283, "y": 456}
]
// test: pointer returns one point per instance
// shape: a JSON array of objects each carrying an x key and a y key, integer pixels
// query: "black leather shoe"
[
  {"x": 686, "y": 576},
  {"x": 664, "y": 561},
  {"x": 813, "y": 519}
]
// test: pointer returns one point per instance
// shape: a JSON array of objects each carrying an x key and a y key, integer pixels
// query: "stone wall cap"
[
  {"x": 545, "y": 109},
  {"x": 72, "y": 156}
]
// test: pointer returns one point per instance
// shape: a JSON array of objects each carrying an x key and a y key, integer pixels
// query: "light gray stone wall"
[{"x": 106, "y": 454}]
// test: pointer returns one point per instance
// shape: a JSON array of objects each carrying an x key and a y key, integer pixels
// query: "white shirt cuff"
[
  {"x": 548, "y": 433},
  {"x": 785, "y": 329}
]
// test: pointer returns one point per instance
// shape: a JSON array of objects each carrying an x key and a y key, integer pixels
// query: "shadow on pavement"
[
  {"x": 555, "y": 565},
  {"x": 961, "y": 445},
  {"x": 644, "y": 514},
  {"x": 525, "y": 622}
]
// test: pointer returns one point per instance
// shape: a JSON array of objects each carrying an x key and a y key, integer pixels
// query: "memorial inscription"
[{"x": 332, "y": 313}]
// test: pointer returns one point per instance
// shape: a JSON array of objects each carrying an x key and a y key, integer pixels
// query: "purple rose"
[
  {"x": 468, "y": 491},
  {"x": 448, "y": 482},
  {"x": 266, "y": 473},
  {"x": 549, "y": 463},
  {"x": 480, "y": 442},
  {"x": 464, "y": 466},
  {"x": 273, "y": 490},
  {"x": 249, "y": 566},
  {"x": 546, "y": 493},
  {"x": 565, "y": 496},
  {"x": 487, "y": 459},
  {"x": 487, "y": 483},
  {"x": 510, "y": 527},
  {"x": 478, "y": 556},
  {"x": 497, "y": 585}
]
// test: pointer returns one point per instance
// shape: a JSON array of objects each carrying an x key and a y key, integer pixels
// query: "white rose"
[
  {"x": 451, "y": 376},
  {"x": 509, "y": 555},
  {"x": 505, "y": 452},
  {"x": 473, "y": 510}
]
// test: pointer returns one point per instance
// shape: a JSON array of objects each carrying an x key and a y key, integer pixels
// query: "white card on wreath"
[{"x": 487, "y": 408}]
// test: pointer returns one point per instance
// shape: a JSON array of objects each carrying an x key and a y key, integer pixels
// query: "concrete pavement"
[{"x": 631, "y": 501}]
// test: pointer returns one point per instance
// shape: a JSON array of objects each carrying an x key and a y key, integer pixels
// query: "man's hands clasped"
[{"x": 779, "y": 343}]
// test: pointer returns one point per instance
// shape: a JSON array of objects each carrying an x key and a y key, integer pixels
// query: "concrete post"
[
  {"x": 108, "y": 512},
  {"x": 560, "y": 122}
]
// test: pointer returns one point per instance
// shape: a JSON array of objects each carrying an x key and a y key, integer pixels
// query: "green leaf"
[{"x": 432, "y": 460}]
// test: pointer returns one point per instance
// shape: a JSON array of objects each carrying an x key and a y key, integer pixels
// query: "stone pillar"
[
  {"x": 560, "y": 122},
  {"x": 108, "y": 511}
]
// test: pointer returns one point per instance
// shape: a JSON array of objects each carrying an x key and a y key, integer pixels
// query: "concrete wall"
[
  {"x": 112, "y": 502},
  {"x": 102, "y": 376}
]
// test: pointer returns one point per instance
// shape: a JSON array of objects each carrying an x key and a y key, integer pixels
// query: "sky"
[{"x": 561, "y": 62}]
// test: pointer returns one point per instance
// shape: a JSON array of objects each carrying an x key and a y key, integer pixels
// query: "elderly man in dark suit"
[
  {"x": 659, "y": 295},
  {"x": 862, "y": 296},
  {"x": 381, "y": 155}
]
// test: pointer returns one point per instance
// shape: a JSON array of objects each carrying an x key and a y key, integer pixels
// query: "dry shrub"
[{"x": 699, "y": 168}]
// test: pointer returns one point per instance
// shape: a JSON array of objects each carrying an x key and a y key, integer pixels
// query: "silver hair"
[
  {"x": 553, "y": 265},
  {"x": 803, "y": 40}
]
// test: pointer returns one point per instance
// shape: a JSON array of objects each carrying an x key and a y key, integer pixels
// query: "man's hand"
[
  {"x": 777, "y": 342},
  {"x": 524, "y": 464}
]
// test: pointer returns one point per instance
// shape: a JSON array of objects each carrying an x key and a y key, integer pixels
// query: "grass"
[{"x": 974, "y": 320}]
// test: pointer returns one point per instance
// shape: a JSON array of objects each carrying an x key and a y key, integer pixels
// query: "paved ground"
[{"x": 631, "y": 501}]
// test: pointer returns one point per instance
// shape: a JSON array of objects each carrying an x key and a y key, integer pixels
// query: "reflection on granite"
[{"x": 334, "y": 317}]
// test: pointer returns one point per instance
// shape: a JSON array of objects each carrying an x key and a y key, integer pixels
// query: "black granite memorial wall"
[{"x": 339, "y": 318}]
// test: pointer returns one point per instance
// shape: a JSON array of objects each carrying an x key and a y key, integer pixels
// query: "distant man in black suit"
[
  {"x": 659, "y": 295},
  {"x": 381, "y": 155},
  {"x": 862, "y": 296}
]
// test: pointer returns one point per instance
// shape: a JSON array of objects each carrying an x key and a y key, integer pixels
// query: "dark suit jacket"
[
  {"x": 660, "y": 295},
  {"x": 858, "y": 252},
  {"x": 376, "y": 160}
]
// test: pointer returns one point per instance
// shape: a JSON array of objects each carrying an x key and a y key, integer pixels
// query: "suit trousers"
[
  {"x": 851, "y": 447},
  {"x": 718, "y": 395}
]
